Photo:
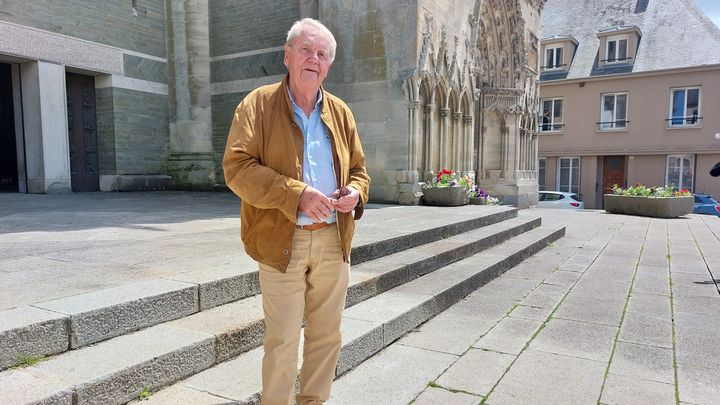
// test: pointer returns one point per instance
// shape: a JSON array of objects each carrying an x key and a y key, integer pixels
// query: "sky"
[{"x": 711, "y": 8}]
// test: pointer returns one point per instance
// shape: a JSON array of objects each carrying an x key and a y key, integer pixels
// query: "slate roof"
[{"x": 675, "y": 33}]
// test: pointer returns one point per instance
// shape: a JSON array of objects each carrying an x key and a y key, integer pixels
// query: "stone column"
[
  {"x": 415, "y": 135},
  {"x": 191, "y": 162},
  {"x": 457, "y": 144},
  {"x": 429, "y": 139},
  {"x": 468, "y": 133},
  {"x": 47, "y": 146},
  {"x": 444, "y": 144}
]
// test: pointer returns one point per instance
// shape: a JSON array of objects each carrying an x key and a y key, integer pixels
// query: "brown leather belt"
[{"x": 313, "y": 227}]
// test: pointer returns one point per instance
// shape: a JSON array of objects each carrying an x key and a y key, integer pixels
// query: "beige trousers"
[{"x": 314, "y": 287}]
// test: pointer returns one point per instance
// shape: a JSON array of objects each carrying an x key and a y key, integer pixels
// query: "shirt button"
[
  {"x": 285, "y": 252},
  {"x": 283, "y": 266}
]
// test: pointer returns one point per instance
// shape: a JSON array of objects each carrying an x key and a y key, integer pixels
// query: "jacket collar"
[{"x": 285, "y": 89}]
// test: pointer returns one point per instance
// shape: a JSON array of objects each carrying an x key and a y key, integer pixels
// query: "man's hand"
[
  {"x": 345, "y": 199},
  {"x": 315, "y": 205}
]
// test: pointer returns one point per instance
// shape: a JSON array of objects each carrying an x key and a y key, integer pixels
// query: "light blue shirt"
[{"x": 318, "y": 168}]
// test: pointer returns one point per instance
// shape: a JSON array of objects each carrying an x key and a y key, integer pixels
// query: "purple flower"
[{"x": 453, "y": 183}]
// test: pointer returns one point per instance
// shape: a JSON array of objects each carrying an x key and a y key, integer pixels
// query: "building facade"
[
  {"x": 139, "y": 94},
  {"x": 629, "y": 91}
]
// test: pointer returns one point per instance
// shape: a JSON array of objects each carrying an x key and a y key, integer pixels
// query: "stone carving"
[
  {"x": 426, "y": 42},
  {"x": 442, "y": 52}
]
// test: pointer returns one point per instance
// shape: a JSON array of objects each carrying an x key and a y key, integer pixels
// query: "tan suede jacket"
[{"x": 263, "y": 165}]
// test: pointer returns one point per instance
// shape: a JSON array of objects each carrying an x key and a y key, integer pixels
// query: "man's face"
[{"x": 307, "y": 57}]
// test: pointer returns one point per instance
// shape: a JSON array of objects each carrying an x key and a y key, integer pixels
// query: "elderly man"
[{"x": 294, "y": 157}]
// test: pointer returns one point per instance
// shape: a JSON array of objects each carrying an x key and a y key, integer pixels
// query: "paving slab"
[
  {"x": 533, "y": 313},
  {"x": 534, "y": 377},
  {"x": 643, "y": 362},
  {"x": 448, "y": 332},
  {"x": 650, "y": 304},
  {"x": 646, "y": 329},
  {"x": 509, "y": 336},
  {"x": 579, "y": 305},
  {"x": 697, "y": 304},
  {"x": 697, "y": 338},
  {"x": 578, "y": 339},
  {"x": 435, "y": 396},
  {"x": 396, "y": 375},
  {"x": 546, "y": 296},
  {"x": 698, "y": 385},
  {"x": 635, "y": 391},
  {"x": 476, "y": 372}
]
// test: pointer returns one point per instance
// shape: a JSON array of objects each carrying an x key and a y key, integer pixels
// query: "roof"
[{"x": 675, "y": 33}]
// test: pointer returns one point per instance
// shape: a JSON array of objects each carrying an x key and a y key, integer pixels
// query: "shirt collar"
[{"x": 317, "y": 104}]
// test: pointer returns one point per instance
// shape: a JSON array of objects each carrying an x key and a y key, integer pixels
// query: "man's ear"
[{"x": 285, "y": 55}]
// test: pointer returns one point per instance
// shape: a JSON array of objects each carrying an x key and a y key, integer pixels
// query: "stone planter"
[
  {"x": 477, "y": 201},
  {"x": 668, "y": 207},
  {"x": 445, "y": 196}
]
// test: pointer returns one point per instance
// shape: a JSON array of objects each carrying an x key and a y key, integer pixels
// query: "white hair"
[{"x": 309, "y": 22}]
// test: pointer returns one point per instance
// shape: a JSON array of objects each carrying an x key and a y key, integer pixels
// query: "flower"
[
  {"x": 640, "y": 190},
  {"x": 448, "y": 178}
]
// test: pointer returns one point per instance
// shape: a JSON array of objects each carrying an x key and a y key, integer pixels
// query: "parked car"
[
  {"x": 705, "y": 204},
  {"x": 559, "y": 199}
]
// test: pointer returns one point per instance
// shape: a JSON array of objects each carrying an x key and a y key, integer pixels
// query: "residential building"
[{"x": 629, "y": 93}]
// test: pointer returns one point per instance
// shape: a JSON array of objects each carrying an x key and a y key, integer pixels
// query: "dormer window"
[
  {"x": 616, "y": 49},
  {"x": 553, "y": 57},
  {"x": 618, "y": 46},
  {"x": 558, "y": 52}
]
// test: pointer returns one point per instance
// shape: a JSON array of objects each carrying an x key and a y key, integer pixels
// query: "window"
[
  {"x": 685, "y": 107},
  {"x": 616, "y": 49},
  {"x": 553, "y": 57},
  {"x": 542, "y": 164},
  {"x": 613, "y": 113},
  {"x": 551, "y": 119},
  {"x": 569, "y": 175},
  {"x": 679, "y": 171}
]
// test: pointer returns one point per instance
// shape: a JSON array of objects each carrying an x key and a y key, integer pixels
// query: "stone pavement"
[{"x": 622, "y": 310}]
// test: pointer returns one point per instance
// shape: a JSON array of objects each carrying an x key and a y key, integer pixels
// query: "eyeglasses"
[{"x": 308, "y": 51}]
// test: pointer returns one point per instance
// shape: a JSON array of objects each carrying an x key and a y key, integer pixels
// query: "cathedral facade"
[{"x": 139, "y": 96}]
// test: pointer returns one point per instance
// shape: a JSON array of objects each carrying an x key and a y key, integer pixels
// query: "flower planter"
[
  {"x": 478, "y": 201},
  {"x": 445, "y": 196},
  {"x": 660, "y": 207}
]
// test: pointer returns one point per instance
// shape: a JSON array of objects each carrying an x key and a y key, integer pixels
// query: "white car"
[{"x": 559, "y": 199}]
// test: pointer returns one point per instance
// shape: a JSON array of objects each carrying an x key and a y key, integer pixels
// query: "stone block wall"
[
  {"x": 141, "y": 132},
  {"x": 377, "y": 49},
  {"x": 246, "y": 39},
  {"x": 105, "y": 22},
  {"x": 246, "y": 25}
]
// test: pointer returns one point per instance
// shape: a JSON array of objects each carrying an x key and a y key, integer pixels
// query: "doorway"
[
  {"x": 8, "y": 145},
  {"x": 613, "y": 173},
  {"x": 82, "y": 131}
]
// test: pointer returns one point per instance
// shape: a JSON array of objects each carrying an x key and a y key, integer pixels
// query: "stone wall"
[
  {"x": 376, "y": 50},
  {"x": 106, "y": 22},
  {"x": 246, "y": 40}
]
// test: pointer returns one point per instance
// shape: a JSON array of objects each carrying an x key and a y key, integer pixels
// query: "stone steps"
[
  {"x": 52, "y": 327},
  {"x": 414, "y": 283},
  {"x": 369, "y": 326}
]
